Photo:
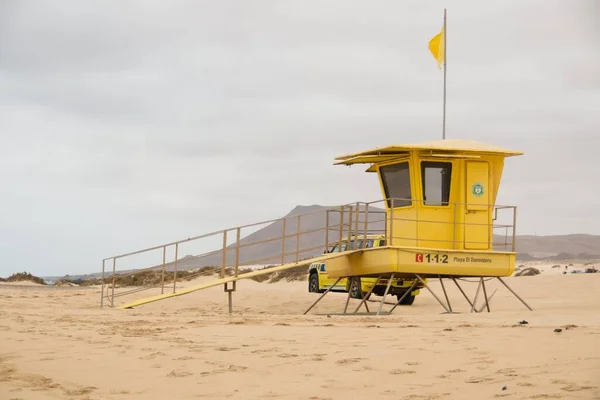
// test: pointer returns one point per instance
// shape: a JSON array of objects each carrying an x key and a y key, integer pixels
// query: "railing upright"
[
  {"x": 175, "y": 268},
  {"x": 162, "y": 279},
  {"x": 102, "y": 289},
  {"x": 298, "y": 238}
]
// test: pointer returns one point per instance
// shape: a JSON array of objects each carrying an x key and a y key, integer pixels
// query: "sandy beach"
[{"x": 56, "y": 343}]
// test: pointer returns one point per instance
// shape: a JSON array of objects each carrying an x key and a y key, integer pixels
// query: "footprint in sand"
[
  {"x": 475, "y": 379},
  {"x": 402, "y": 372},
  {"x": 457, "y": 370},
  {"x": 507, "y": 372},
  {"x": 225, "y": 348},
  {"x": 236, "y": 368},
  {"x": 362, "y": 368},
  {"x": 349, "y": 360},
  {"x": 118, "y": 391},
  {"x": 576, "y": 388},
  {"x": 230, "y": 368},
  {"x": 184, "y": 358},
  {"x": 287, "y": 355},
  {"x": 152, "y": 356},
  {"x": 79, "y": 392},
  {"x": 525, "y": 384},
  {"x": 178, "y": 374}
]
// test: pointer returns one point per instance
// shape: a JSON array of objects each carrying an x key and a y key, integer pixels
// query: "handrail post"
[
  {"x": 162, "y": 281},
  {"x": 224, "y": 255},
  {"x": 102, "y": 290},
  {"x": 326, "y": 230},
  {"x": 114, "y": 276},
  {"x": 298, "y": 240},
  {"x": 514, "y": 229},
  {"x": 237, "y": 251},
  {"x": 356, "y": 224},
  {"x": 175, "y": 271},
  {"x": 283, "y": 242},
  {"x": 366, "y": 224},
  {"x": 341, "y": 228},
  {"x": 349, "y": 236}
]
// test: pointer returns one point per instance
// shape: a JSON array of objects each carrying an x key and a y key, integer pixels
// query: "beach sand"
[{"x": 56, "y": 343}]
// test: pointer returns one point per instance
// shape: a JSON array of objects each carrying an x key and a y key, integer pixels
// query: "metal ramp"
[{"x": 277, "y": 245}]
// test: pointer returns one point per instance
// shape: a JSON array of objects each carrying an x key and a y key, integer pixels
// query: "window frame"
[
  {"x": 423, "y": 164},
  {"x": 406, "y": 203}
]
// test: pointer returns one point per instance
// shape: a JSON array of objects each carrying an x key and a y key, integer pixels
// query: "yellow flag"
[{"x": 436, "y": 46}]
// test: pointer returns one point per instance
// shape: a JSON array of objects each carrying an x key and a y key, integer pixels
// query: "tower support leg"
[
  {"x": 321, "y": 296},
  {"x": 445, "y": 294},
  {"x": 387, "y": 289},
  {"x": 434, "y": 295},
  {"x": 513, "y": 292},
  {"x": 407, "y": 293},
  {"x": 366, "y": 296},
  {"x": 475, "y": 298},
  {"x": 487, "y": 303},
  {"x": 463, "y": 293}
]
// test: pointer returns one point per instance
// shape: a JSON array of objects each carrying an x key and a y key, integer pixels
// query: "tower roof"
[{"x": 447, "y": 146}]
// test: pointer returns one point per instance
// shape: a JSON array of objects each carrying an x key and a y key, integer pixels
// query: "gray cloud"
[{"x": 124, "y": 127}]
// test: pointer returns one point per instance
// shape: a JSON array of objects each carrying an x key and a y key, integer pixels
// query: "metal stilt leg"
[
  {"x": 322, "y": 295},
  {"x": 463, "y": 293},
  {"x": 347, "y": 300},
  {"x": 366, "y": 296},
  {"x": 434, "y": 295},
  {"x": 513, "y": 292},
  {"x": 475, "y": 298},
  {"x": 387, "y": 289},
  {"x": 487, "y": 303},
  {"x": 408, "y": 292},
  {"x": 445, "y": 294}
]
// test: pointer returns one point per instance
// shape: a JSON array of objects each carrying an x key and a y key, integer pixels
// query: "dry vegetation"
[
  {"x": 298, "y": 273},
  {"x": 24, "y": 277}
]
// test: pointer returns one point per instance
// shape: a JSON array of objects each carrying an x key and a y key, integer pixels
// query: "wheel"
[
  {"x": 355, "y": 289},
  {"x": 313, "y": 283},
  {"x": 407, "y": 301}
]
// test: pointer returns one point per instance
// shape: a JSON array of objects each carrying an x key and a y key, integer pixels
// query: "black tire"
[
  {"x": 407, "y": 301},
  {"x": 356, "y": 289},
  {"x": 313, "y": 283}
]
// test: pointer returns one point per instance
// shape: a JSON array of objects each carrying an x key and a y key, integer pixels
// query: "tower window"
[
  {"x": 436, "y": 182},
  {"x": 396, "y": 183}
]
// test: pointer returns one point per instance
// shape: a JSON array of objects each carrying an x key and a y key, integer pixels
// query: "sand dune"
[{"x": 57, "y": 343}]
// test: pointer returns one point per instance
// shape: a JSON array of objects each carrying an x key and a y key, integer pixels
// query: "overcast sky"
[{"x": 128, "y": 124}]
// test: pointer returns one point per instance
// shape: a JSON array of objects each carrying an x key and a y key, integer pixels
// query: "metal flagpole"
[{"x": 444, "y": 117}]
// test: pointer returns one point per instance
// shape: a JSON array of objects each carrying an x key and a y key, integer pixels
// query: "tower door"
[{"x": 477, "y": 208}]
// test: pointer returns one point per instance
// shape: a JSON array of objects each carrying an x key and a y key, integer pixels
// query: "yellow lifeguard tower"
[{"x": 440, "y": 204}]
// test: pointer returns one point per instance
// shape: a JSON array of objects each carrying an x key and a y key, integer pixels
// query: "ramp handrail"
[{"x": 288, "y": 242}]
